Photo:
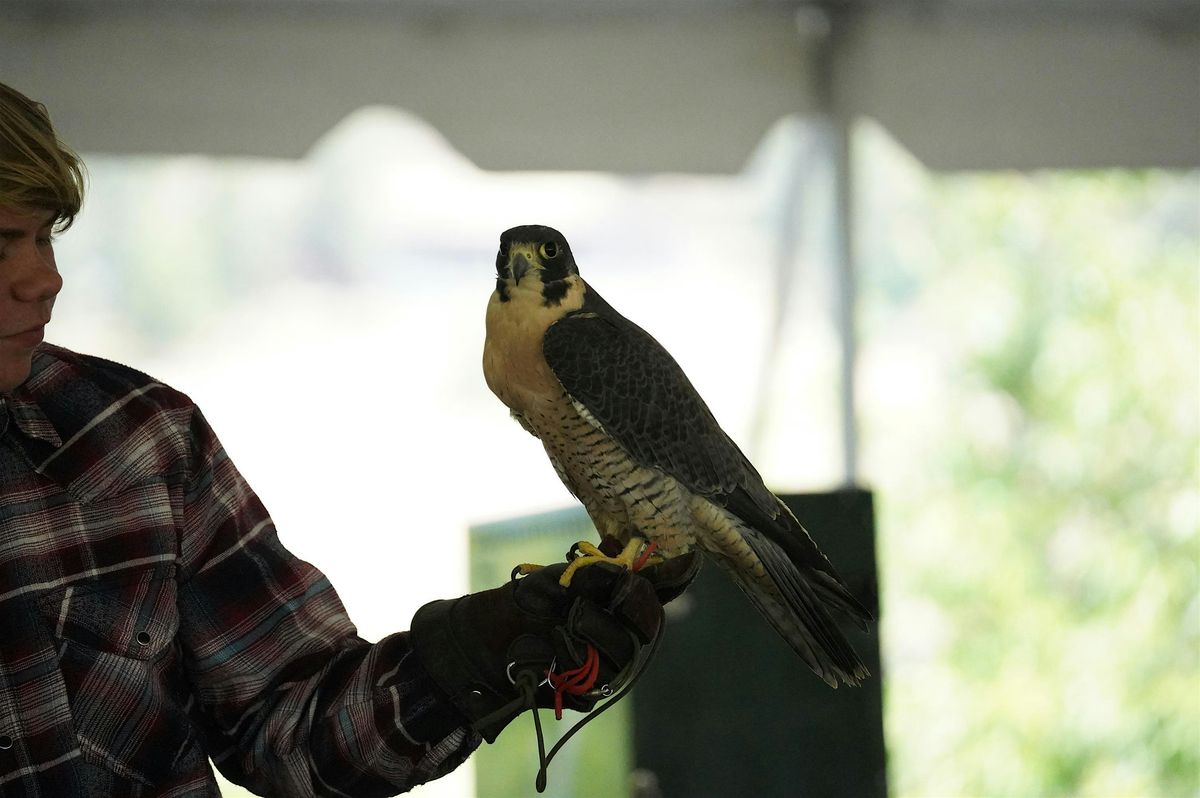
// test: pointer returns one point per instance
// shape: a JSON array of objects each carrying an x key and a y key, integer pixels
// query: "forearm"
[
  {"x": 369, "y": 722},
  {"x": 415, "y": 733},
  {"x": 289, "y": 699}
]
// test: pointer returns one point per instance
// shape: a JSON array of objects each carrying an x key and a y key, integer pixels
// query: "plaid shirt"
[{"x": 150, "y": 617}]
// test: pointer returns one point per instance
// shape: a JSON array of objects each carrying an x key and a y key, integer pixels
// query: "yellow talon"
[
  {"x": 589, "y": 554},
  {"x": 526, "y": 568}
]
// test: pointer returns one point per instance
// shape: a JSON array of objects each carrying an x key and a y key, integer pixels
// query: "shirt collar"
[{"x": 28, "y": 418}]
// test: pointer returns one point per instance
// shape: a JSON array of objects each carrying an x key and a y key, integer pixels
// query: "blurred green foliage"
[{"x": 1031, "y": 371}]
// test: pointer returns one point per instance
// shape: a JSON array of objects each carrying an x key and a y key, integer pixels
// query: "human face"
[{"x": 29, "y": 282}]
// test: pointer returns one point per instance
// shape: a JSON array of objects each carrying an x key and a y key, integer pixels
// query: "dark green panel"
[{"x": 727, "y": 709}]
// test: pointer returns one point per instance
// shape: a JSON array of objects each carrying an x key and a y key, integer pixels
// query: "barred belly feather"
[{"x": 621, "y": 496}]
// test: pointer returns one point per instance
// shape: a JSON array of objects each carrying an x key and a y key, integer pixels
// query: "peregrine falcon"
[{"x": 633, "y": 441}]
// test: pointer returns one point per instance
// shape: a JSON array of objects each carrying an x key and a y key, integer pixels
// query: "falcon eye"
[{"x": 548, "y": 250}]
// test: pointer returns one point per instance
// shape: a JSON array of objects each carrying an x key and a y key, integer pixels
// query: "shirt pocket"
[{"x": 119, "y": 658}]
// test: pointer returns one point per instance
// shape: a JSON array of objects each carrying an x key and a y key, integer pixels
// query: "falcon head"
[{"x": 534, "y": 257}]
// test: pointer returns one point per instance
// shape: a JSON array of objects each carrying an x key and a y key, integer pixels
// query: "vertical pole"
[
  {"x": 847, "y": 293},
  {"x": 838, "y": 124}
]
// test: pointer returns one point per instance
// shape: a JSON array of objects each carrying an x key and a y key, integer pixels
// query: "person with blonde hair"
[{"x": 151, "y": 619}]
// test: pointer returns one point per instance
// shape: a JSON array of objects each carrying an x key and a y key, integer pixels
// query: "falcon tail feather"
[
  {"x": 834, "y": 592},
  {"x": 798, "y": 611},
  {"x": 793, "y": 543},
  {"x": 809, "y": 634}
]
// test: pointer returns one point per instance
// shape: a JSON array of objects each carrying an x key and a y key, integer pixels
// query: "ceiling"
[{"x": 622, "y": 85}]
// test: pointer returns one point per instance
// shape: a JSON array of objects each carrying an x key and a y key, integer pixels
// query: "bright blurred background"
[{"x": 1027, "y": 367}]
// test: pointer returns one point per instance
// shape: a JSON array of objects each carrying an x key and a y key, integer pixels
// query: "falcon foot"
[{"x": 636, "y": 554}]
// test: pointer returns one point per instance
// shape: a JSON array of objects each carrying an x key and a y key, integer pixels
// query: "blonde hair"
[{"x": 37, "y": 170}]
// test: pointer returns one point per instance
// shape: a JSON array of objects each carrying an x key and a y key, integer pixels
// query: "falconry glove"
[{"x": 533, "y": 642}]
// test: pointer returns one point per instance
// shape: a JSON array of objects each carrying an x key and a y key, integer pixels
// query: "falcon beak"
[{"x": 519, "y": 265}]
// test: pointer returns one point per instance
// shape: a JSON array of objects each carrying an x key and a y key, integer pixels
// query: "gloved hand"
[{"x": 480, "y": 647}]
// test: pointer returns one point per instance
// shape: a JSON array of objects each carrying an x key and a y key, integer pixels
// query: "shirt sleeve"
[{"x": 288, "y": 698}]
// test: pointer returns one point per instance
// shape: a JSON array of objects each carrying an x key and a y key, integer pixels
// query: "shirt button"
[
  {"x": 6, "y": 742},
  {"x": 143, "y": 638}
]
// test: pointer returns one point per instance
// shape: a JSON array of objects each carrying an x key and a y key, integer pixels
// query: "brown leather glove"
[{"x": 484, "y": 648}]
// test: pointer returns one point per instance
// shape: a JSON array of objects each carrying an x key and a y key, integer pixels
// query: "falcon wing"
[{"x": 640, "y": 396}]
